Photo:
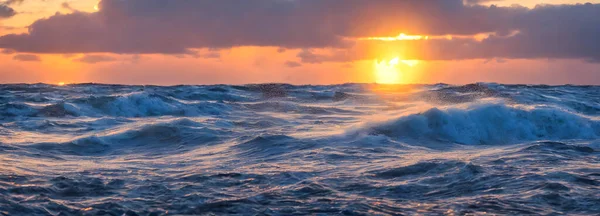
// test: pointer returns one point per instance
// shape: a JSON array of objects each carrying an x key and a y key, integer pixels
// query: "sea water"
[{"x": 278, "y": 149}]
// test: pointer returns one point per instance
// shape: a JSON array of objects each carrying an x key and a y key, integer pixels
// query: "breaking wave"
[{"x": 491, "y": 124}]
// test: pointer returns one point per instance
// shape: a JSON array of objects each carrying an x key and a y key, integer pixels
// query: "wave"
[
  {"x": 167, "y": 136},
  {"x": 143, "y": 104},
  {"x": 292, "y": 107},
  {"x": 139, "y": 104},
  {"x": 424, "y": 168},
  {"x": 266, "y": 146},
  {"x": 490, "y": 124}
]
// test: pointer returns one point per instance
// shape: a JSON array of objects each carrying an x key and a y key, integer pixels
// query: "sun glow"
[
  {"x": 410, "y": 63},
  {"x": 404, "y": 37},
  {"x": 388, "y": 72},
  {"x": 61, "y": 83},
  {"x": 399, "y": 37}
]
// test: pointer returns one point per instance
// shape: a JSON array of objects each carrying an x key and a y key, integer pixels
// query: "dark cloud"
[
  {"x": 308, "y": 56},
  {"x": 27, "y": 57},
  {"x": 178, "y": 26},
  {"x": 6, "y": 11},
  {"x": 550, "y": 31},
  {"x": 292, "y": 64},
  {"x": 67, "y": 6},
  {"x": 93, "y": 59},
  {"x": 525, "y": 45},
  {"x": 160, "y": 26}
]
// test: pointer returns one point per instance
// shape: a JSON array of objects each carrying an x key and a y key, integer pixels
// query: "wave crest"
[{"x": 490, "y": 124}]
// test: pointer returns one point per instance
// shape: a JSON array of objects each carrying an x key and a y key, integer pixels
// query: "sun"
[
  {"x": 61, "y": 83},
  {"x": 387, "y": 72}
]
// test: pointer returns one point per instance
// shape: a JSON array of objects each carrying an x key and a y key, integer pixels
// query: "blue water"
[{"x": 277, "y": 149}]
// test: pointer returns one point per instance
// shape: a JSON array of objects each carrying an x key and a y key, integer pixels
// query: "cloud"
[
  {"x": 542, "y": 34},
  {"x": 103, "y": 58},
  {"x": 6, "y": 11},
  {"x": 67, "y": 6},
  {"x": 93, "y": 59},
  {"x": 308, "y": 56},
  {"x": 27, "y": 57},
  {"x": 158, "y": 26},
  {"x": 292, "y": 64},
  {"x": 8, "y": 51},
  {"x": 178, "y": 26}
]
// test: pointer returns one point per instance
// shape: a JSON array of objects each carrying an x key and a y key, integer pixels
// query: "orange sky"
[{"x": 252, "y": 64}]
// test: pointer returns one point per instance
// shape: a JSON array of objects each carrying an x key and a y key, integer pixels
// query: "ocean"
[{"x": 279, "y": 149}]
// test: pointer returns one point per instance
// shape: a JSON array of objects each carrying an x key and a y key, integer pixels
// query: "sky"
[{"x": 169, "y": 42}]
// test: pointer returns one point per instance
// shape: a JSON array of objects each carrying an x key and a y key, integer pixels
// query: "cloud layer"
[{"x": 176, "y": 26}]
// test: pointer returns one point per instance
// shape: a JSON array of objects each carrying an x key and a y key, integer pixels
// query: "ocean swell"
[
  {"x": 280, "y": 149},
  {"x": 491, "y": 124}
]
